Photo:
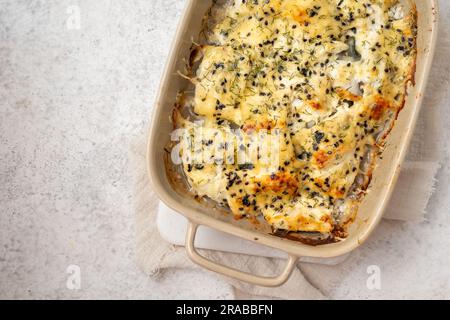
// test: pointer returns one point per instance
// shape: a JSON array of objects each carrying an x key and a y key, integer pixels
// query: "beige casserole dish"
[{"x": 373, "y": 204}]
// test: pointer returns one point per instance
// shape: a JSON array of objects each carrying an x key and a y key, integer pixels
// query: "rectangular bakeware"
[{"x": 372, "y": 207}]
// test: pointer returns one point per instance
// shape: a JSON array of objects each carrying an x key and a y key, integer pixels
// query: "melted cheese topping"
[{"x": 329, "y": 75}]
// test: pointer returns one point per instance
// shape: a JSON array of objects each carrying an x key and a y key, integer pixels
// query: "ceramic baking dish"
[{"x": 371, "y": 208}]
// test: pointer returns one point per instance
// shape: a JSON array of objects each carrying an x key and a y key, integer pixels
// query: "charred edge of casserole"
[{"x": 311, "y": 239}]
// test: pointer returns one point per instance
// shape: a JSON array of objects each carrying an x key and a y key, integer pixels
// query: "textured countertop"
[{"x": 77, "y": 82}]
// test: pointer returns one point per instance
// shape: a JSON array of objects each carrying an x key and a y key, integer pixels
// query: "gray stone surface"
[{"x": 71, "y": 100}]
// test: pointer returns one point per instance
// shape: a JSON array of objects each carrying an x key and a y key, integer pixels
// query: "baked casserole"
[{"x": 314, "y": 85}]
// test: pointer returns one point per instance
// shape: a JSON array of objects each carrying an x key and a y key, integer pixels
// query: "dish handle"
[{"x": 232, "y": 272}]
